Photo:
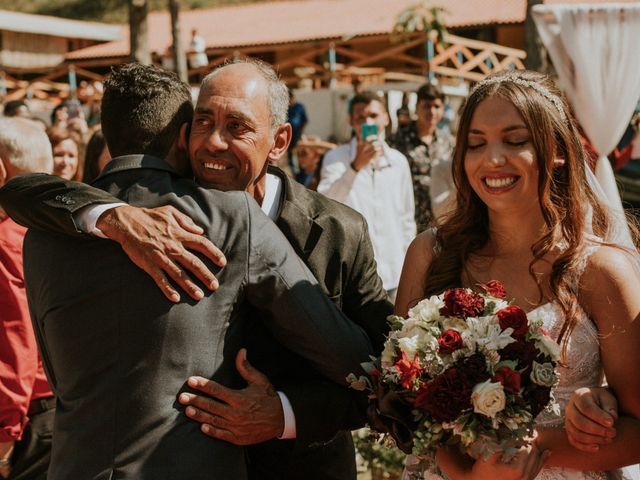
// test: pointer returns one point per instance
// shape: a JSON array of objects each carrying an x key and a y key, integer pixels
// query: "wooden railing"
[{"x": 473, "y": 59}]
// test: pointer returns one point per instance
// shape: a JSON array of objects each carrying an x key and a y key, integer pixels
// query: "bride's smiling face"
[{"x": 500, "y": 160}]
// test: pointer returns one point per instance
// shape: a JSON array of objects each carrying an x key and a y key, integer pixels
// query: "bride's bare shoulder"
[
  {"x": 414, "y": 272},
  {"x": 423, "y": 248}
]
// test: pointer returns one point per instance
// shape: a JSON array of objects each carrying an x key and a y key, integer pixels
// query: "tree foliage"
[
  {"x": 114, "y": 11},
  {"x": 422, "y": 17}
]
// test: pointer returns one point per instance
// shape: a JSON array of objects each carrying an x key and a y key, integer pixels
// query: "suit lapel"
[{"x": 297, "y": 216}]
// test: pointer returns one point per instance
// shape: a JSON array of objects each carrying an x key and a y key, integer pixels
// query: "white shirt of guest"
[{"x": 383, "y": 193}]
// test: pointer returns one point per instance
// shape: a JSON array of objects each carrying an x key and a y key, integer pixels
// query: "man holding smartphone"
[{"x": 374, "y": 179}]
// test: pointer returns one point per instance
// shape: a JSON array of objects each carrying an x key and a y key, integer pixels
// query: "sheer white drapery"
[{"x": 594, "y": 49}]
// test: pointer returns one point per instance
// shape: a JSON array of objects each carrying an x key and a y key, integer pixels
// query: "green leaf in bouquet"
[
  {"x": 395, "y": 322},
  {"x": 368, "y": 367},
  {"x": 512, "y": 364},
  {"x": 483, "y": 447},
  {"x": 489, "y": 308}
]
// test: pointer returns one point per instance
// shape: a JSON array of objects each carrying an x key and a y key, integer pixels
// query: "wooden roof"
[
  {"x": 289, "y": 21},
  {"x": 58, "y": 27}
]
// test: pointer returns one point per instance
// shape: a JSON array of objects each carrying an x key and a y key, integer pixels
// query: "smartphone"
[
  {"x": 73, "y": 108},
  {"x": 368, "y": 130}
]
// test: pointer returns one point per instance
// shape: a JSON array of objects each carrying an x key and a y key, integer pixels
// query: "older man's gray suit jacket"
[
  {"x": 333, "y": 241},
  {"x": 117, "y": 353}
]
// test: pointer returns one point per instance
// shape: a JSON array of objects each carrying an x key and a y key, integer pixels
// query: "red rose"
[
  {"x": 474, "y": 368},
  {"x": 409, "y": 371},
  {"x": 495, "y": 289},
  {"x": 459, "y": 302},
  {"x": 450, "y": 341},
  {"x": 515, "y": 318},
  {"x": 524, "y": 353},
  {"x": 509, "y": 379},
  {"x": 446, "y": 397}
]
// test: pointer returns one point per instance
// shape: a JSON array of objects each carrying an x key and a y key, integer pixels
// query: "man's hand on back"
[
  {"x": 158, "y": 241},
  {"x": 242, "y": 417}
]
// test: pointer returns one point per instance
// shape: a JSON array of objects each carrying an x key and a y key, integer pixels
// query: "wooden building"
[
  {"x": 322, "y": 42},
  {"x": 33, "y": 49}
]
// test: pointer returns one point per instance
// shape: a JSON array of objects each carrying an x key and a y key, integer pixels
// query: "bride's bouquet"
[{"x": 464, "y": 368}]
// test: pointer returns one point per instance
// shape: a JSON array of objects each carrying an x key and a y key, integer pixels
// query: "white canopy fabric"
[{"x": 595, "y": 50}]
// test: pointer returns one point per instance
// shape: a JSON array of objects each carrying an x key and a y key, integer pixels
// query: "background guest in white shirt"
[{"x": 374, "y": 179}]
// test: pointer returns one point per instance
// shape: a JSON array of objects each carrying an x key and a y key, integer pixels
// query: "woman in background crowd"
[{"x": 66, "y": 158}]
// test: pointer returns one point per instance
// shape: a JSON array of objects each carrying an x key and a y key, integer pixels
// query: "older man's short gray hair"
[
  {"x": 277, "y": 90},
  {"x": 24, "y": 144}
]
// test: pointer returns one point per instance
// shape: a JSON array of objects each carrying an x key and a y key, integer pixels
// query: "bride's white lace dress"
[{"x": 583, "y": 368}]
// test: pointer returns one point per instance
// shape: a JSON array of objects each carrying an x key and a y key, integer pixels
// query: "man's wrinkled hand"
[
  {"x": 158, "y": 241},
  {"x": 590, "y": 417},
  {"x": 242, "y": 417}
]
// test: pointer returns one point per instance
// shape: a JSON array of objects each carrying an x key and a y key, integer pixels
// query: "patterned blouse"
[{"x": 421, "y": 159}]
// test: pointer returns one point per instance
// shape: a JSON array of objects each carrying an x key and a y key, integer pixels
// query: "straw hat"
[{"x": 314, "y": 141}]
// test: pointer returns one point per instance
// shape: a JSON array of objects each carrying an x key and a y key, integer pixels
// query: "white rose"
[
  {"x": 543, "y": 374},
  {"x": 409, "y": 345},
  {"x": 410, "y": 327},
  {"x": 488, "y": 398},
  {"x": 427, "y": 310}
]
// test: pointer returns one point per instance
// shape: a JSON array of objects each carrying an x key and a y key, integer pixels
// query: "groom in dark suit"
[
  {"x": 116, "y": 352},
  {"x": 330, "y": 238}
]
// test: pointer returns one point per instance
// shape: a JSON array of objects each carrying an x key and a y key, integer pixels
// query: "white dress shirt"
[
  {"x": 86, "y": 218},
  {"x": 383, "y": 193}
]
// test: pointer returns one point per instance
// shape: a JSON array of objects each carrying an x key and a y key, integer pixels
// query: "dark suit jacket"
[
  {"x": 117, "y": 352},
  {"x": 333, "y": 240}
]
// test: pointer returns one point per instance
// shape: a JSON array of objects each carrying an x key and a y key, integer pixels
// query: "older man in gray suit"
[{"x": 116, "y": 351}]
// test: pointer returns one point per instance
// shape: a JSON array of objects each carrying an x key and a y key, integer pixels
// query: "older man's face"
[{"x": 231, "y": 142}]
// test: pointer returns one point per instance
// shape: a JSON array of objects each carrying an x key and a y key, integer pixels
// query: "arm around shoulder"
[{"x": 46, "y": 202}]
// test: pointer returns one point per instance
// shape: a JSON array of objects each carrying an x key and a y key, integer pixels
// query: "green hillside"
[{"x": 99, "y": 10}]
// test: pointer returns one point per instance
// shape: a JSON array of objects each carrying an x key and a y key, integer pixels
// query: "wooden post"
[
  {"x": 536, "y": 53},
  {"x": 138, "y": 37},
  {"x": 179, "y": 56}
]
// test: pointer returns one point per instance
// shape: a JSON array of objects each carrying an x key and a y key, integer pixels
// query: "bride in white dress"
[{"x": 530, "y": 215}]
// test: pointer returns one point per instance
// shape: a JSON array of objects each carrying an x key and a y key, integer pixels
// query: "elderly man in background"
[
  {"x": 429, "y": 150},
  {"x": 26, "y": 401},
  {"x": 374, "y": 179}
]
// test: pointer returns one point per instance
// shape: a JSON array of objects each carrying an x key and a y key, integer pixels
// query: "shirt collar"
[{"x": 272, "y": 196}]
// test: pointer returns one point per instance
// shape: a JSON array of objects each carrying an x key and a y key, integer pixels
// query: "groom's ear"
[{"x": 183, "y": 137}]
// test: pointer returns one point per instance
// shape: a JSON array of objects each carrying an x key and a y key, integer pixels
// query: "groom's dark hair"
[{"x": 143, "y": 108}]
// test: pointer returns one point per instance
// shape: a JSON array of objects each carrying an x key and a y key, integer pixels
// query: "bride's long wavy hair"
[{"x": 563, "y": 192}]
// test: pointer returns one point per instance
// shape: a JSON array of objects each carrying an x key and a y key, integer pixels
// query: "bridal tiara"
[{"x": 542, "y": 90}]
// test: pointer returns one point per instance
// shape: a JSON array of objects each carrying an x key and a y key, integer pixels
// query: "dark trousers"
[{"x": 31, "y": 455}]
